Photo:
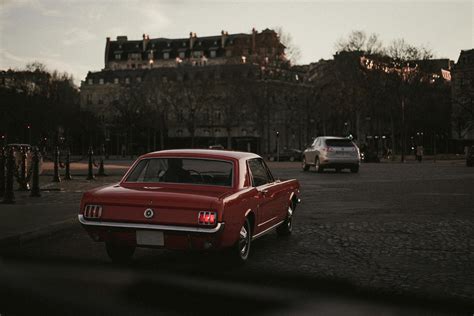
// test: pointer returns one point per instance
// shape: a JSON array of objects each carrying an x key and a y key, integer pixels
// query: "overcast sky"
[{"x": 69, "y": 35}]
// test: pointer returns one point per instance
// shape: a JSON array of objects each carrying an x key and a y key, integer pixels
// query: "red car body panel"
[{"x": 176, "y": 206}]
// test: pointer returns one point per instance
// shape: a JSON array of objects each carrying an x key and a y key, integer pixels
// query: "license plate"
[{"x": 150, "y": 238}]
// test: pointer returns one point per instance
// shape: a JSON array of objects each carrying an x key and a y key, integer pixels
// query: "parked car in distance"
[
  {"x": 470, "y": 157},
  {"x": 190, "y": 199},
  {"x": 332, "y": 152},
  {"x": 286, "y": 155}
]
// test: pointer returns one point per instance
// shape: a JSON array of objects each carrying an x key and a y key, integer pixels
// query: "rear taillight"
[
  {"x": 92, "y": 211},
  {"x": 207, "y": 218}
]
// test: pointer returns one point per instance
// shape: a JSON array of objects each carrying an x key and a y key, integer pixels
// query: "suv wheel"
[
  {"x": 317, "y": 165},
  {"x": 304, "y": 165}
]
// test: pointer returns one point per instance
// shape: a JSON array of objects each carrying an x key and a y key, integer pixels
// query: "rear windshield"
[
  {"x": 183, "y": 170},
  {"x": 339, "y": 143}
]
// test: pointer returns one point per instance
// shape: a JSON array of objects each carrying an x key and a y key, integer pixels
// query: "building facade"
[
  {"x": 463, "y": 96},
  {"x": 234, "y": 90}
]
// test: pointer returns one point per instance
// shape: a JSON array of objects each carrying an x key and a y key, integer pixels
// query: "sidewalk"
[{"x": 55, "y": 210}]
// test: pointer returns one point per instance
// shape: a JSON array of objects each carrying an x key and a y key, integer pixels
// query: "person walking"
[{"x": 419, "y": 153}]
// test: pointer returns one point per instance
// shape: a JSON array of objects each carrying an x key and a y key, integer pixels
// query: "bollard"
[
  {"x": 22, "y": 178},
  {"x": 101, "y": 172},
  {"x": 2, "y": 171},
  {"x": 68, "y": 176},
  {"x": 56, "y": 177},
  {"x": 90, "y": 174},
  {"x": 35, "y": 189},
  {"x": 9, "y": 196}
]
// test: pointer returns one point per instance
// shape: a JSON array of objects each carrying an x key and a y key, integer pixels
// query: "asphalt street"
[{"x": 393, "y": 239}]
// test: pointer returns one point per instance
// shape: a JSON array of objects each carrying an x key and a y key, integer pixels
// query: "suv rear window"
[{"x": 339, "y": 143}]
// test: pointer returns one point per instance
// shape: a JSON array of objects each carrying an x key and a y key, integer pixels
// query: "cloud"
[
  {"x": 78, "y": 36},
  {"x": 41, "y": 7}
]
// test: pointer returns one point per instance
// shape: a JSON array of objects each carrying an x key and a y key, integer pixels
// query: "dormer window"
[
  {"x": 101, "y": 81},
  {"x": 166, "y": 55},
  {"x": 90, "y": 81},
  {"x": 184, "y": 44},
  {"x": 168, "y": 44}
]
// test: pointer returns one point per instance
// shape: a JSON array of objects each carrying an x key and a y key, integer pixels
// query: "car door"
[
  {"x": 265, "y": 194},
  {"x": 310, "y": 154}
]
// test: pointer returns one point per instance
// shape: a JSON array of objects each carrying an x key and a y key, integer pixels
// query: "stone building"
[
  {"x": 236, "y": 90},
  {"x": 257, "y": 47},
  {"x": 463, "y": 96}
]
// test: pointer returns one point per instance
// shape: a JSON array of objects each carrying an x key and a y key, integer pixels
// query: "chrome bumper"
[{"x": 185, "y": 229}]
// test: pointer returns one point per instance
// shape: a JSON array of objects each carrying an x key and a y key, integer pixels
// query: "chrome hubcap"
[{"x": 243, "y": 241}]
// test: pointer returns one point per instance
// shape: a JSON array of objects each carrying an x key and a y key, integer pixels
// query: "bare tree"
[
  {"x": 359, "y": 41},
  {"x": 401, "y": 50},
  {"x": 292, "y": 51},
  {"x": 36, "y": 66}
]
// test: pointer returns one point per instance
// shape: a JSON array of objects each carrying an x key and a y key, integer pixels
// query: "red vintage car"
[{"x": 190, "y": 199}]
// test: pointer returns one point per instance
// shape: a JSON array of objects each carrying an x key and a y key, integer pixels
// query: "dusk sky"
[{"x": 70, "y": 35}]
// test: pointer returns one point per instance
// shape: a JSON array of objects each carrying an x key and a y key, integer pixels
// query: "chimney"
[
  {"x": 122, "y": 38},
  {"x": 254, "y": 33},
  {"x": 192, "y": 39},
  {"x": 106, "y": 57},
  {"x": 146, "y": 39},
  {"x": 223, "y": 38}
]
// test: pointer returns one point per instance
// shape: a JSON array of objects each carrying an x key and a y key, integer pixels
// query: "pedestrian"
[{"x": 419, "y": 153}]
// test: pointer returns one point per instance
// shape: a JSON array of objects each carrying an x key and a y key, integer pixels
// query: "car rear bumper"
[
  {"x": 186, "y": 229},
  {"x": 339, "y": 162},
  {"x": 175, "y": 237}
]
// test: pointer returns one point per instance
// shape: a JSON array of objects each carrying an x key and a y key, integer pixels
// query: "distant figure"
[
  {"x": 176, "y": 173},
  {"x": 419, "y": 153}
]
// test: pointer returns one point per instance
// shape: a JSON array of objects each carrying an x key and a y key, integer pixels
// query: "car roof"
[
  {"x": 202, "y": 153},
  {"x": 333, "y": 137}
]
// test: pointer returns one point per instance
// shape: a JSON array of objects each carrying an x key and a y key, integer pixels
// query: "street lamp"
[
  {"x": 278, "y": 145},
  {"x": 28, "y": 126}
]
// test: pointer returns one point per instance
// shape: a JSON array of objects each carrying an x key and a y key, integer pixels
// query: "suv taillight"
[
  {"x": 92, "y": 211},
  {"x": 207, "y": 218}
]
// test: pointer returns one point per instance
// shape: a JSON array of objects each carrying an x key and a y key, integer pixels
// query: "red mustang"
[{"x": 190, "y": 199}]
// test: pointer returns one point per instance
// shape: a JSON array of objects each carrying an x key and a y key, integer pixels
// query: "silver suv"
[{"x": 332, "y": 152}]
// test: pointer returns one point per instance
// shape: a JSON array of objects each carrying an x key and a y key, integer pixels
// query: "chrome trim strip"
[
  {"x": 266, "y": 230},
  {"x": 271, "y": 219},
  {"x": 83, "y": 221}
]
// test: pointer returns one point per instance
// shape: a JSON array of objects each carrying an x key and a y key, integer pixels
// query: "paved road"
[{"x": 398, "y": 231}]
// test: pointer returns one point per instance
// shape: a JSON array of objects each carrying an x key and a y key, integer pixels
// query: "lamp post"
[
  {"x": 403, "y": 130},
  {"x": 278, "y": 145},
  {"x": 28, "y": 127}
]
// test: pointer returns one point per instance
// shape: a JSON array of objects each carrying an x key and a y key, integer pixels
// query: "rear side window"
[
  {"x": 260, "y": 173},
  {"x": 339, "y": 143}
]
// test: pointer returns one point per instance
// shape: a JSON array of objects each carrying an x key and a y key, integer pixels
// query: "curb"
[{"x": 25, "y": 237}]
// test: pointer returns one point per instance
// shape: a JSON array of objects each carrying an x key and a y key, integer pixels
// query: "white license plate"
[{"x": 150, "y": 238}]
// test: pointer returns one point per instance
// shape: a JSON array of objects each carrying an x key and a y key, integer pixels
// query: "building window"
[
  {"x": 101, "y": 81},
  {"x": 213, "y": 54},
  {"x": 179, "y": 132},
  {"x": 89, "y": 99},
  {"x": 117, "y": 56},
  {"x": 166, "y": 55},
  {"x": 180, "y": 116},
  {"x": 181, "y": 55},
  {"x": 127, "y": 80},
  {"x": 90, "y": 81},
  {"x": 116, "y": 80},
  {"x": 139, "y": 79},
  {"x": 197, "y": 54},
  {"x": 228, "y": 53}
]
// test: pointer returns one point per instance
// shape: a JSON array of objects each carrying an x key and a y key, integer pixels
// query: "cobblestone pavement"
[{"x": 392, "y": 228}]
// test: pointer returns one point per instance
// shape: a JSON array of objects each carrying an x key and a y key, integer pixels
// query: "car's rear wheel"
[
  {"x": 355, "y": 169},
  {"x": 242, "y": 247},
  {"x": 119, "y": 253},
  {"x": 286, "y": 227},
  {"x": 304, "y": 165},
  {"x": 317, "y": 166}
]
